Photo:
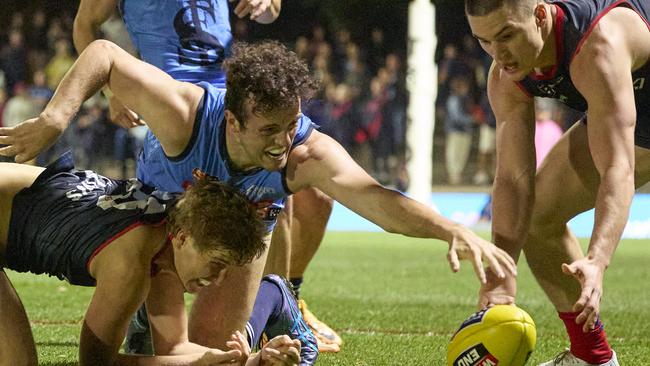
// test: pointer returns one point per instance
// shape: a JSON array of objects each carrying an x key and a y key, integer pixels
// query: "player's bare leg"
[
  {"x": 550, "y": 243},
  {"x": 311, "y": 211},
  {"x": 222, "y": 308},
  {"x": 279, "y": 258},
  {"x": 16, "y": 340}
]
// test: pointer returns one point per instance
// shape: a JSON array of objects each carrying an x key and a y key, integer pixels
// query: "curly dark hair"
[
  {"x": 485, "y": 7},
  {"x": 269, "y": 74},
  {"x": 219, "y": 217}
]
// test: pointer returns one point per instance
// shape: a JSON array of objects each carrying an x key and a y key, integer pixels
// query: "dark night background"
[{"x": 299, "y": 16}]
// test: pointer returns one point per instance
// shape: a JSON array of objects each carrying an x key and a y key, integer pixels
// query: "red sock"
[{"x": 591, "y": 347}]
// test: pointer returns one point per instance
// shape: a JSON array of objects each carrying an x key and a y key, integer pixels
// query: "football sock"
[
  {"x": 296, "y": 282},
  {"x": 591, "y": 347},
  {"x": 268, "y": 306}
]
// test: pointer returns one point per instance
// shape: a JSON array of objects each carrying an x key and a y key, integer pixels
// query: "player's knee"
[{"x": 544, "y": 226}]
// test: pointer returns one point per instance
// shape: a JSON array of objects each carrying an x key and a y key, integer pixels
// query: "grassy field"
[{"x": 393, "y": 300}]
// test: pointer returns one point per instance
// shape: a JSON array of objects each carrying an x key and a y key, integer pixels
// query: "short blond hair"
[{"x": 219, "y": 217}]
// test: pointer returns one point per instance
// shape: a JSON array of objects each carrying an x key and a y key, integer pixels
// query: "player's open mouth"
[
  {"x": 277, "y": 153},
  {"x": 195, "y": 285}
]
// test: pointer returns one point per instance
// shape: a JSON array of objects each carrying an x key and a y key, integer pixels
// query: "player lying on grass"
[{"x": 130, "y": 241}]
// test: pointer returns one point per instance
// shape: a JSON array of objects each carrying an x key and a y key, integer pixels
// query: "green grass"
[{"x": 393, "y": 300}]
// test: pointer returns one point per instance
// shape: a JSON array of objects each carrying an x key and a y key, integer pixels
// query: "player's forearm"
[
  {"x": 399, "y": 214},
  {"x": 186, "y": 348},
  {"x": 271, "y": 13},
  {"x": 611, "y": 212},
  {"x": 89, "y": 73},
  {"x": 512, "y": 203}
]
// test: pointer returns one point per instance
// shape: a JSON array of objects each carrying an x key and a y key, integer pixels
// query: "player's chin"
[
  {"x": 192, "y": 287},
  {"x": 273, "y": 164}
]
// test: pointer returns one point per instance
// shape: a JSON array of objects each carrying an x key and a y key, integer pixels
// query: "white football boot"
[{"x": 567, "y": 358}]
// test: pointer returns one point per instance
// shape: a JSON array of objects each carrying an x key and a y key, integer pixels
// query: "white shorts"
[{"x": 486, "y": 139}]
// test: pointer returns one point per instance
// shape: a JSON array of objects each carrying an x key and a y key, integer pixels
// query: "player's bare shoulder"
[{"x": 621, "y": 32}]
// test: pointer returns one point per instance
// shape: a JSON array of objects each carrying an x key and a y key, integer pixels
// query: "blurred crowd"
[{"x": 362, "y": 102}]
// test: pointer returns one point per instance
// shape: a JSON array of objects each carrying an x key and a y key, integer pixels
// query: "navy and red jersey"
[
  {"x": 574, "y": 21},
  {"x": 66, "y": 217}
]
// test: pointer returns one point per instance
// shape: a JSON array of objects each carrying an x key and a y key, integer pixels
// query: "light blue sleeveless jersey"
[
  {"x": 207, "y": 152},
  {"x": 188, "y": 39}
]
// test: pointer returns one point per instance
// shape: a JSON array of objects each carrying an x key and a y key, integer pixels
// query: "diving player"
[
  {"x": 251, "y": 136},
  {"x": 190, "y": 40}
]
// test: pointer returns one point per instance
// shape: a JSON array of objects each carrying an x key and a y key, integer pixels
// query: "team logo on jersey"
[
  {"x": 638, "y": 83},
  {"x": 198, "y": 46},
  {"x": 256, "y": 193},
  {"x": 548, "y": 88},
  {"x": 267, "y": 210},
  {"x": 91, "y": 183}
]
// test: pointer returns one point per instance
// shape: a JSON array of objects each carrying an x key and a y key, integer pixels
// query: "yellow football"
[{"x": 502, "y": 335}]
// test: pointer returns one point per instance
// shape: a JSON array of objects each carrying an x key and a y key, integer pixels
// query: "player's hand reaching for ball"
[
  {"x": 589, "y": 272},
  {"x": 466, "y": 245}
]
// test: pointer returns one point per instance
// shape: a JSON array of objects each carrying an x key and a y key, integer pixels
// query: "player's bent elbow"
[{"x": 102, "y": 46}]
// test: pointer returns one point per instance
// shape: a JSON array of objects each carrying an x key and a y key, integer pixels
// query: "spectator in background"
[
  {"x": 55, "y": 31},
  {"x": 394, "y": 126},
  {"x": 459, "y": 125},
  {"x": 318, "y": 40},
  {"x": 13, "y": 59},
  {"x": 301, "y": 48},
  {"x": 547, "y": 131},
  {"x": 354, "y": 72},
  {"x": 17, "y": 21},
  {"x": 37, "y": 31},
  {"x": 39, "y": 91},
  {"x": 19, "y": 107},
  {"x": 60, "y": 63},
  {"x": 486, "y": 142},
  {"x": 375, "y": 130},
  {"x": 376, "y": 52}
]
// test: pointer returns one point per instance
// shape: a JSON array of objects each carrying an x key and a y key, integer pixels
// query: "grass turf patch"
[{"x": 393, "y": 299}]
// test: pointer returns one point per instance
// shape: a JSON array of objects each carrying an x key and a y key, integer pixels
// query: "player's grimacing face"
[
  {"x": 513, "y": 40},
  {"x": 197, "y": 269},
  {"x": 267, "y": 139}
]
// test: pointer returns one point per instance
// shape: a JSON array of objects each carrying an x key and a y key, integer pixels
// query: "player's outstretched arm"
[
  {"x": 322, "y": 163},
  {"x": 601, "y": 72},
  {"x": 513, "y": 192},
  {"x": 169, "y": 105}
]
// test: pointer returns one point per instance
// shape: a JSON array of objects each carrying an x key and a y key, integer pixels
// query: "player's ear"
[
  {"x": 232, "y": 121},
  {"x": 179, "y": 239},
  {"x": 541, "y": 14}
]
